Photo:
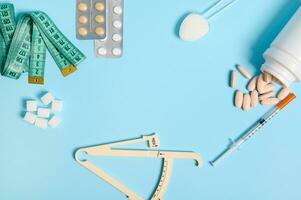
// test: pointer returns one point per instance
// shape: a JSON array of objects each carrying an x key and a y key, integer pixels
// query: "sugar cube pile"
[{"x": 44, "y": 117}]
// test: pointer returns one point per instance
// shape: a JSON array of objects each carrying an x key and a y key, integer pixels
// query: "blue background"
[{"x": 176, "y": 89}]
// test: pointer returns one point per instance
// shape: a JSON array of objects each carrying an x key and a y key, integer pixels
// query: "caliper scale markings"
[{"x": 113, "y": 150}]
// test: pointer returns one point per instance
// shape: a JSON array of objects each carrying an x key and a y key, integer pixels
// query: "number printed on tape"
[{"x": 23, "y": 45}]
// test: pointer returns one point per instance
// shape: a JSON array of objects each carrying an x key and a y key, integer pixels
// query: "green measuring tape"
[{"x": 23, "y": 45}]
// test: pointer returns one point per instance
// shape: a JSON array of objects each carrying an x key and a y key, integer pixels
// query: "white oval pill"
[
  {"x": 246, "y": 102},
  {"x": 284, "y": 92},
  {"x": 266, "y": 95},
  {"x": 117, "y": 37},
  {"x": 102, "y": 51},
  {"x": 239, "y": 96},
  {"x": 244, "y": 72},
  {"x": 252, "y": 84},
  {"x": 116, "y": 51},
  {"x": 117, "y": 10},
  {"x": 270, "y": 101},
  {"x": 254, "y": 98},
  {"x": 117, "y": 24}
]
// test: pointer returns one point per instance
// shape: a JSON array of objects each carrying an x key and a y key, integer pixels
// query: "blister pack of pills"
[
  {"x": 102, "y": 21},
  {"x": 91, "y": 19},
  {"x": 112, "y": 45}
]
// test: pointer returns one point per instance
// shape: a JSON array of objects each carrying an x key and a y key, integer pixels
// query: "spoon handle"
[{"x": 213, "y": 10}]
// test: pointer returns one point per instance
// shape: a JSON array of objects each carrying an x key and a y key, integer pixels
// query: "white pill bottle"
[{"x": 283, "y": 58}]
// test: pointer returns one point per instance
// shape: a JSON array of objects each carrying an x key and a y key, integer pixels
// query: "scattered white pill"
[
  {"x": 238, "y": 99},
  {"x": 193, "y": 27},
  {"x": 54, "y": 122},
  {"x": 246, "y": 102},
  {"x": 57, "y": 106},
  {"x": 43, "y": 112},
  {"x": 284, "y": 92},
  {"x": 30, "y": 117},
  {"x": 47, "y": 98},
  {"x": 254, "y": 98},
  {"x": 233, "y": 79},
  {"x": 117, "y": 24},
  {"x": 41, "y": 123},
  {"x": 31, "y": 105},
  {"x": 266, "y": 95},
  {"x": 116, "y": 51},
  {"x": 244, "y": 72}
]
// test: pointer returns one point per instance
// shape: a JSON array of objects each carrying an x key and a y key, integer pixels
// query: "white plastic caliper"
[{"x": 153, "y": 142}]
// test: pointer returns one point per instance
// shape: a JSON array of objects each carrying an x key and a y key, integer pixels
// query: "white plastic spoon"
[{"x": 196, "y": 26}]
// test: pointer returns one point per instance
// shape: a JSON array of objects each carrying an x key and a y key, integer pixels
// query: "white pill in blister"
[
  {"x": 102, "y": 51},
  {"x": 117, "y": 10},
  {"x": 117, "y": 24},
  {"x": 116, "y": 37},
  {"x": 116, "y": 51}
]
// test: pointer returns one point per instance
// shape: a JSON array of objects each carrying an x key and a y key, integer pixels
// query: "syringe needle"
[{"x": 237, "y": 143}]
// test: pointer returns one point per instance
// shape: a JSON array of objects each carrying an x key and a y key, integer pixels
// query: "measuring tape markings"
[
  {"x": 37, "y": 58},
  {"x": 7, "y": 29},
  {"x": 34, "y": 32}
]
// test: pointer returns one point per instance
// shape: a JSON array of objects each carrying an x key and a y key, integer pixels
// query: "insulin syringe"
[{"x": 238, "y": 142}]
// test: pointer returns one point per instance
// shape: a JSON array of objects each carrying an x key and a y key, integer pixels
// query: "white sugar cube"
[
  {"x": 31, "y": 105},
  {"x": 57, "y": 106},
  {"x": 47, "y": 98},
  {"x": 43, "y": 112},
  {"x": 54, "y": 122},
  {"x": 41, "y": 123},
  {"x": 30, "y": 118}
]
